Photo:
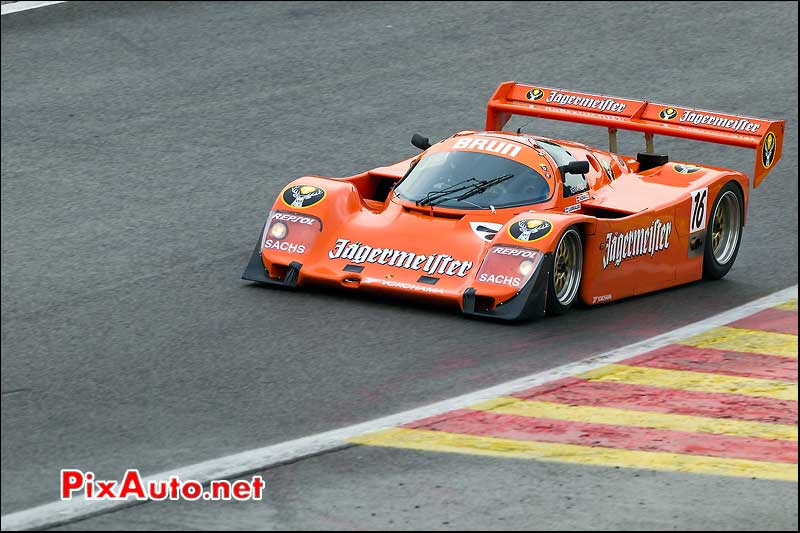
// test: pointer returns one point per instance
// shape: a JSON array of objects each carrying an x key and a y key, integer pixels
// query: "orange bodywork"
[{"x": 637, "y": 227}]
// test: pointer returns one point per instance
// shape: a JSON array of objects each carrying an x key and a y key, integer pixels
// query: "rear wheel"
[
  {"x": 724, "y": 232},
  {"x": 565, "y": 277}
]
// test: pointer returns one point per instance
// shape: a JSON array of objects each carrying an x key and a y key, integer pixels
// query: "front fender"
[
  {"x": 542, "y": 230},
  {"x": 529, "y": 303},
  {"x": 338, "y": 198},
  {"x": 311, "y": 200}
]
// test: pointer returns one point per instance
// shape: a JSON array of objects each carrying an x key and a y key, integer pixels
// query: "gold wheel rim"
[
  {"x": 567, "y": 267},
  {"x": 562, "y": 265},
  {"x": 718, "y": 226},
  {"x": 726, "y": 228}
]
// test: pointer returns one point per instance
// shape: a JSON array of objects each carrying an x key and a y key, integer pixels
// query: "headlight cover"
[
  {"x": 290, "y": 233},
  {"x": 510, "y": 266}
]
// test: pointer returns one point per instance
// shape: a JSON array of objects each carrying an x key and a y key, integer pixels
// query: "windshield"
[{"x": 440, "y": 170}]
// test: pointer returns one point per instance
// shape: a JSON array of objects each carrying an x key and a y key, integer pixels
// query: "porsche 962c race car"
[{"x": 514, "y": 225}]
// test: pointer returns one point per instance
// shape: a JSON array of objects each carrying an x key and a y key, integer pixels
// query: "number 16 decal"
[{"x": 697, "y": 220}]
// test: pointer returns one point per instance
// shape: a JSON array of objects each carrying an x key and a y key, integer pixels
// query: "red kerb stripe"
[
  {"x": 775, "y": 320},
  {"x": 679, "y": 357},
  {"x": 487, "y": 424},
  {"x": 576, "y": 391}
]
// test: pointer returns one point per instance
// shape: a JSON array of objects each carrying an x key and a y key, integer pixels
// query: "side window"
[{"x": 573, "y": 183}]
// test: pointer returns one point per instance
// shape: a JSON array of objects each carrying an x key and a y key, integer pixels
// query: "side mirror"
[
  {"x": 420, "y": 142},
  {"x": 574, "y": 167}
]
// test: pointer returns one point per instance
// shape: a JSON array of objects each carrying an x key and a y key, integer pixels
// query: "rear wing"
[{"x": 764, "y": 136}]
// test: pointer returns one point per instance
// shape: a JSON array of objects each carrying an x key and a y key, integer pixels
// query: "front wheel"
[
  {"x": 724, "y": 232},
  {"x": 565, "y": 277}
]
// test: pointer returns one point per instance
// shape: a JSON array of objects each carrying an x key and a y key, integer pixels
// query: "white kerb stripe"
[
  {"x": 15, "y": 7},
  {"x": 241, "y": 464}
]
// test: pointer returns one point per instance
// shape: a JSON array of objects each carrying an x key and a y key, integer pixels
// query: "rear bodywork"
[{"x": 643, "y": 225}]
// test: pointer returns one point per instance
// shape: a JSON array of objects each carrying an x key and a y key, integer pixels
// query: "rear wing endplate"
[{"x": 764, "y": 136}]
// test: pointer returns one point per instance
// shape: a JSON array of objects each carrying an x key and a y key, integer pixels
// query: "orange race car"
[{"x": 513, "y": 225}]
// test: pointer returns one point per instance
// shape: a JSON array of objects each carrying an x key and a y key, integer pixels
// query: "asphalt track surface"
[{"x": 142, "y": 145}]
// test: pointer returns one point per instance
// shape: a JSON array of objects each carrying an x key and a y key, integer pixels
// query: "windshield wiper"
[
  {"x": 472, "y": 190},
  {"x": 456, "y": 187}
]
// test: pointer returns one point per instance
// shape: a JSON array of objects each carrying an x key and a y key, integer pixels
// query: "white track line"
[
  {"x": 240, "y": 464},
  {"x": 15, "y": 7}
]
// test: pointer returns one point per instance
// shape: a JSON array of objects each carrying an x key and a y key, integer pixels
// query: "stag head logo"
[
  {"x": 768, "y": 150},
  {"x": 529, "y": 229},
  {"x": 303, "y": 196},
  {"x": 668, "y": 113}
]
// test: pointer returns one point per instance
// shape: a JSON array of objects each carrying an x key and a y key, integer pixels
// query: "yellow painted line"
[
  {"x": 790, "y": 305},
  {"x": 439, "y": 441},
  {"x": 643, "y": 419},
  {"x": 746, "y": 340},
  {"x": 694, "y": 381}
]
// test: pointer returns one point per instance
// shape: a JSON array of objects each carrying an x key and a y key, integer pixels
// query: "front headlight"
[
  {"x": 527, "y": 267},
  {"x": 278, "y": 230}
]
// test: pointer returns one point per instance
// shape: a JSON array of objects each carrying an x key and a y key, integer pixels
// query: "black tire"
[
  {"x": 561, "y": 300},
  {"x": 724, "y": 232}
]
